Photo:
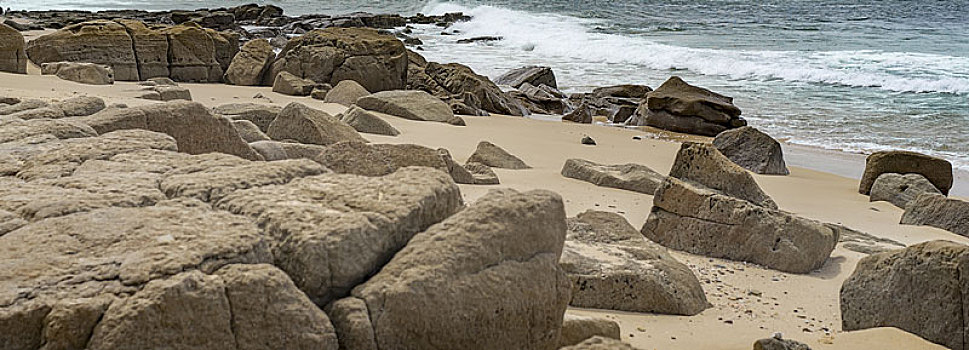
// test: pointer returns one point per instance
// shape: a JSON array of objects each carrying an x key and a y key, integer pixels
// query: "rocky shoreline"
[{"x": 309, "y": 223}]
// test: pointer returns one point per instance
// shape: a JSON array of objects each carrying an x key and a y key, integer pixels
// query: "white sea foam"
[{"x": 574, "y": 39}]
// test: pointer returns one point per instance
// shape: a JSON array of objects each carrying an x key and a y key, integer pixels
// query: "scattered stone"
[
  {"x": 753, "y": 150},
  {"x": 85, "y": 73},
  {"x": 346, "y": 93},
  {"x": 938, "y": 211},
  {"x": 613, "y": 267},
  {"x": 364, "y": 121},
  {"x": 631, "y": 177},
  {"x": 588, "y": 141},
  {"x": 900, "y": 189},
  {"x": 13, "y": 59},
  {"x": 919, "y": 289},
  {"x": 680, "y": 107},
  {"x": 507, "y": 269},
  {"x": 936, "y": 170},
  {"x": 259, "y": 114},
  {"x": 533, "y": 75},
  {"x": 482, "y": 174},
  {"x": 289, "y": 84},
  {"x": 307, "y": 125},
  {"x": 413, "y": 105},
  {"x": 576, "y": 329},
  {"x": 493, "y": 156},
  {"x": 249, "y": 66}
]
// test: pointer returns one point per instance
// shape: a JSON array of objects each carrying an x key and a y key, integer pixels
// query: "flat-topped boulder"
[
  {"x": 681, "y": 107},
  {"x": 498, "y": 257},
  {"x": 613, "y": 267},
  {"x": 99, "y": 41},
  {"x": 753, "y": 150},
  {"x": 936, "y": 170},
  {"x": 303, "y": 124},
  {"x": 900, "y": 189},
  {"x": 346, "y": 93},
  {"x": 631, "y": 177},
  {"x": 534, "y": 75},
  {"x": 491, "y": 155},
  {"x": 377, "y": 61},
  {"x": 413, "y": 105},
  {"x": 12, "y": 56},
  {"x": 366, "y": 122},
  {"x": 932, "y": 209},
  {"x": 919, "y": 289},
  {"x": 250, "y": 64}
]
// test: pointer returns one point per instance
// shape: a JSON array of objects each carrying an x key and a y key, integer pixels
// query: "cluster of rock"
[
  {"x": 711, "y": 206},
  {"x": 681, "y": 107},
  {"x": 537, "y": 90},
  {"x": 615, "y": 103}
]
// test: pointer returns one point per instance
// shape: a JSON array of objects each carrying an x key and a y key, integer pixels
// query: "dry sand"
[{"x": 750, "y": 302}]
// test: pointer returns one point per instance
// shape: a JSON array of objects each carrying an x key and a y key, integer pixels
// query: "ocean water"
[{"x": 857, "y": 76}]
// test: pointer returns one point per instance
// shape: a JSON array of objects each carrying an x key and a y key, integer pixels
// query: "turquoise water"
[{"x": 856, "y": 76}]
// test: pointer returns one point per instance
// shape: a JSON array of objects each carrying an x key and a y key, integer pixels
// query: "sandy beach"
[{"x": 749, "y": 302}]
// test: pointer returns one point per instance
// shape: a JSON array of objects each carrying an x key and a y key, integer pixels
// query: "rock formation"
[
  {"x": 753, "y": 150},
  {"x": 680, "y": 107},
  {"x": 936, "y": 170}
]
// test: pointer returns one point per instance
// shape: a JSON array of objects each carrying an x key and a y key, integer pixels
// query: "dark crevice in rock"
[{"x": 134, "y": 49}]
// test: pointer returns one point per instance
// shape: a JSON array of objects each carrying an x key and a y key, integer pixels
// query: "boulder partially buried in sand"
[
  {"x": 753, "y": 150},
  {"x": 346, "y": 93},
  {"x": 12, "y": 56},
  {"x": 307, "y": 125},
  {"x": 491, "y": 155},
  {"x": 366, "y": 122},
  {"x": 900, "y": 189},
  {"x": 259, "y": 114},
  {"x": 681, "y": 107},
  {"x": 613, "y": 267},
  {"x": 84, "y": 73},
  {"x": 920, "y": 289},
  {"x": 932, "y": 209},
  {"x": 576, "y": 329},
  {"x": 413, "y": 105},
  {"x": 631, "y": 177},
  {"x": 936, "y": 170},
  {"x": 507, "y": 269},
  {"x": 382, "y": 159},
  {"x": 289, "y": 84}
]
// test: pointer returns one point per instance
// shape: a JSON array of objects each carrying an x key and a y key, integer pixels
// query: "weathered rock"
[
  {"x": 753, "y": 150},
  {"x": 492, "y": 266},
  {"x": 623, "y": 91},
  {"x": 936, "y": 170},
  {"x": 39, "y": 113},
  {"x": 576, "y": 329},
  {"x": 702, "y": 221},
  {"x": 938, "y": 211},
  {"x": 377, "y": 61},
  {"x": 47, "y": 198},
  {"x": 273, "y": 150},
  {"x": 632, "y": 177},
  {"x": 319, "y": 92},
  {"x": 150, "y": 50},
  {"x": 53, "y": 159},
  {"x": 306, "y": 125},
  {"x": 328, "y": 244},
  {"x": 600, "y": 343},
  {"x": 249, "y": 131},
  {"x": 80, "y": 106},
  {"x": 364, "y": 121},
  {"x": 167, "y": 93},
  {"x": 482, "y": 174},
  {"x": 259, "y": 114},
  {"x": 12, "y": 56},
  {"x": 459, "y": 86},
  {"x": 705, "y": 165},
  {"x": 920, "y": 289},
  {"x": 581, "y": 114},
  {"x": 777, "y": 343},
  {"x": 346, "y": 93},
  {"x": 380, "y": 159},
  {"x": 61, "y": 129},
  {"x": 352, "y": 322},
  {"x": 457, "y": 121},
  {"x": 491, "y": 155},
  {"x": 249, "y": 66},
  {"x": 900, "y": 189},
  {"x": 681, "y": 107},
  {"x": 288, "y": 84},
  {"x": 192, "y": 54},
  {"x": 100, "y": 41},
  {"x": 457, "y": 172},
  {"x": 534, "y": 75},
  {"x": 85, "y": 73},
  {"x": 215, "y": 183},
  {"x": 413, "y": 105},
  {"x": 586, "y": 140},
  {"x": 23, "y": 105},
  {"x": 613, "y": 267}
]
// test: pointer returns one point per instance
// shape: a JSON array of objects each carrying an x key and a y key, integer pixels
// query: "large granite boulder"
[
  {"x": 413, "y": 105},
  {"x": 302, "y": 124},
  {"x": 346, "y": 93},
  {"x": 920, "y": 289},
  {"x": 334, "y": 231},
  {"x": 932, "y": 209},
  {"x": 534, "y": 75},
  {"x": 100, "y": 41},
  {"x": 936, "y": 170},
  {"x": 491, "y": 155},
  {"x": 485, "y": 278},
  {"x": 753, "y": 150},
  {"x": 12, "y": 56},
  {"x": 900, "y": 189},
  {"x": 681, "y": 107},
  {"x": 288, "y": 84},
  {"x": 700, "y": 220},
  {"x": 84, "y": 73},
  {"x": 259, "y": 114},
  {"x": 703, "y": 164},
  {"x": 249, "y": 66},
  {"x": 631, "y": 177},
  {"x": 613, "y": 267},
  {"x": 377, "y": 61},
  {"x": 576, "y": 329},
  {"x": 366, "y": 122},
  {"x": 461, "y": 88},
  {"x": 382, "y": 159}
]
